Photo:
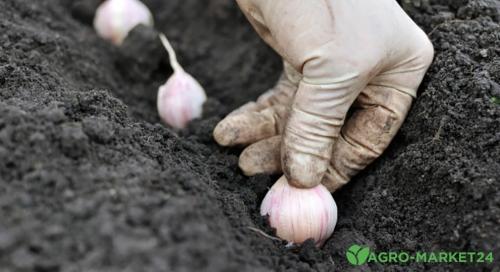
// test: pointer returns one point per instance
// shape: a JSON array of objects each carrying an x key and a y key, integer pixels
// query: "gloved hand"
[{"x": 337, "y": 53}]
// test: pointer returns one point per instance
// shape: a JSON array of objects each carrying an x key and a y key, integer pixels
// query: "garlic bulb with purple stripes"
[{"x": 299, "y": 214}]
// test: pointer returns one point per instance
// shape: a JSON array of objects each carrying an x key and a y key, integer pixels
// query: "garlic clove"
[
  {"x": 115, "y": 18},
  {"x": 180, "y": 100},
  {"x": 299, "y": 214}
]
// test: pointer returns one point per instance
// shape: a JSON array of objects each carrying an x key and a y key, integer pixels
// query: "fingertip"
[
  {"x": 247, "y": 165},
  {"x": 262, "y": 157},
  {"x": 246, "y": 128},
  {"x": 224, "y": 134},
  {"x": 303, "y": 170}
]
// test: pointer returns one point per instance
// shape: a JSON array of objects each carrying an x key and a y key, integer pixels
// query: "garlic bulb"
[
  {"x": 115, "y": 18},
  {"x": 181, "y": 98},
  {"x": 300, "y": 214}
]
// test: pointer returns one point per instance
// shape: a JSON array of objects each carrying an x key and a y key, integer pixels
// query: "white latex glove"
[{"x": 337, "y": 53}]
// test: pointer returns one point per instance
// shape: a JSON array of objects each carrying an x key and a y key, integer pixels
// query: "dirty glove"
[{"x": 338, "y": 54}]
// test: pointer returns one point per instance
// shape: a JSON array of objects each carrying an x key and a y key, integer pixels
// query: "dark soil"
[{"x": 90, "y": 180}]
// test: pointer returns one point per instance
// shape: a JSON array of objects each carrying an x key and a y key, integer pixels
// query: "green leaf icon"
[
  {"x": 357, "y": 255},
  {"x": 495, "y": 100}
]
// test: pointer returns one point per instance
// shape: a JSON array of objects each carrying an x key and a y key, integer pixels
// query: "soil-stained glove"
[{"x": 337, "y": 53}]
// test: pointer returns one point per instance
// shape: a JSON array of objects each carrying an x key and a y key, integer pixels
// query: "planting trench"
[{"x": 90, "y": 180}]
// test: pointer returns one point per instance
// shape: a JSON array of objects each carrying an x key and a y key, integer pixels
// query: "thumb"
[{"x": 316, "y": 117}]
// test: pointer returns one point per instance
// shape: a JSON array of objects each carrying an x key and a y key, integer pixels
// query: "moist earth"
[{"x": 91, "y": 180}]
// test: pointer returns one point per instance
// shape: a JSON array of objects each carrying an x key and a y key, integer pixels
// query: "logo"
[
  {"x": 357, "y": 255},
  {"x": 360, "y": 255}
]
